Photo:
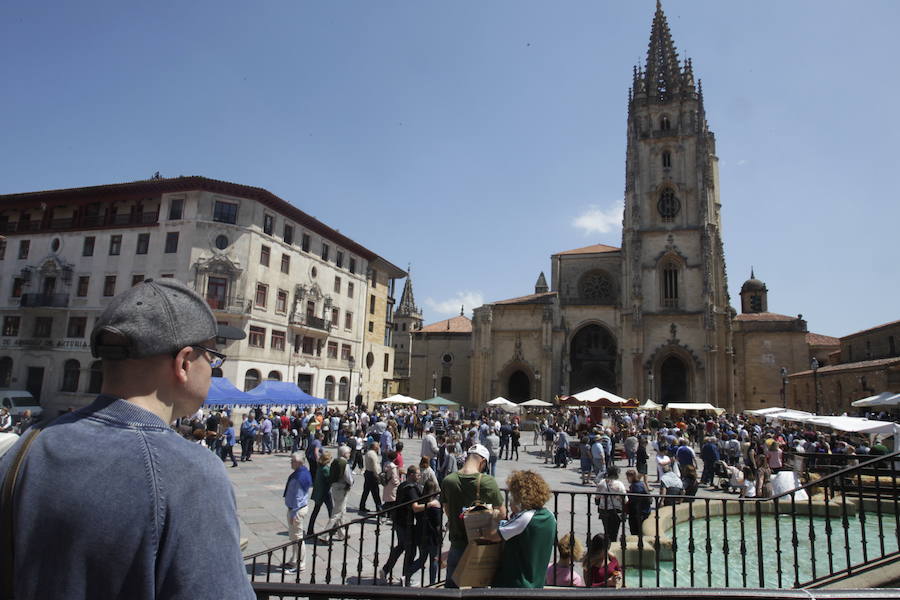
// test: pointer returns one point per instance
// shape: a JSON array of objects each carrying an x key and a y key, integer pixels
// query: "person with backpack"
[{"x": 340, "y": 478}]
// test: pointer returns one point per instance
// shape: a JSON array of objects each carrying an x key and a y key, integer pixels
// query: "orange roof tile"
[
  {"x": 817, "y": 339},
  {"x": 595, "y": 249},
  {"x": 457, "y": 324},
  {"x": 542, "y": 298},
  {"x": 765, "y": 316}
]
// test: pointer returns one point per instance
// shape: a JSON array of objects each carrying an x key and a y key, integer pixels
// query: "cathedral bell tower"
[{"x": 676, "y": 315}]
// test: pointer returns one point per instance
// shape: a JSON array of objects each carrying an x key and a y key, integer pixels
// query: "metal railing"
[
  {"x": 843, "y": 524},
  {"x": 234, "y": 304},
  {"x": 44, "y": 300}
]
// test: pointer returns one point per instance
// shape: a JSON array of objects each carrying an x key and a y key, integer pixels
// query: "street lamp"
[
  {"x": 434, "y": 384},
  {"x": 351, "y": 362},
  {"x": 650, "y": 376},
  {"x": 814, "y": 364},
  {"x": 784, "y": 374}
]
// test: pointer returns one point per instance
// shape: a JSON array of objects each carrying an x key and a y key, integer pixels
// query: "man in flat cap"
[{"x": 109, "y": 501}]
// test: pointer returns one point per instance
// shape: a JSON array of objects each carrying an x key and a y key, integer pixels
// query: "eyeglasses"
[{"x": 218, "y": 357}]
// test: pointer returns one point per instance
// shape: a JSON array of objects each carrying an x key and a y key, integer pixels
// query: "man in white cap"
[
  {"x": 462, "y": 489},
  {"x": 143, "y": 513}
]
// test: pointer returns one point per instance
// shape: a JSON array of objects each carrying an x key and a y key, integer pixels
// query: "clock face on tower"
[{"x": 668, "y": 205}]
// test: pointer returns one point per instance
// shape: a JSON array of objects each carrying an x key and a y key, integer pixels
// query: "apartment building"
[{"x": 314, "y": 303}]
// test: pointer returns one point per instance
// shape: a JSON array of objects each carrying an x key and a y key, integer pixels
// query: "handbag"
[{"x": 6, "y": 501}]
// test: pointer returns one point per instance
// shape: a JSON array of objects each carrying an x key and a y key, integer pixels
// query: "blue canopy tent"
[
  {"x": 222, "y": 391},
  {"x": 282, "y": 393}
]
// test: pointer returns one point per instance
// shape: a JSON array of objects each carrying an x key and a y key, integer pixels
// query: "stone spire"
[
  {"x": 407, "y": 306},
  {"x": 541, "y": 285},
  {"x": 663, "y": 72}
]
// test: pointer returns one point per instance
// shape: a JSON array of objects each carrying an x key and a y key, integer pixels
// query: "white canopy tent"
[
  {"x": 763, "y": 412},
  {"x": 882, "y": 399},
  {"x": 595, "y": 394},
  {"x": 689, "y": 406},
  {"x": 790, "y": 415},
  {"x": 535, "y": 403},
  {"x": 500, "y": 401},
  {"x": 650, "y": 405},
  {"x": 399, "y": 399},
  {"x": 853, "y": 424}
]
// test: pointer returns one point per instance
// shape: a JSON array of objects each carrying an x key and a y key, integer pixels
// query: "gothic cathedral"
[{"x": 651, "y": 319}]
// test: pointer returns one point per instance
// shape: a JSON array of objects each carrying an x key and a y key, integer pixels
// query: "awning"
[
  {"x": 222, "y": 391},
  {"x": 854, "y": 424},
  {"x": 438, "y": 401},
  {"x": 650, "y": 405},
  {"x": 399, "y": 399},
  {"x": 687, "y": 406},
  {"x": 500, "y": 401},
  {"x": 282, "y": 393},
  {"x": 882, "y": 399},
  {"x": 596, "y": 395},
  {"x": 534, "y": 402}
]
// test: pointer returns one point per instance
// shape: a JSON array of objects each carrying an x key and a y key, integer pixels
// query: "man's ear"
[{"x": 181, "y": 365}]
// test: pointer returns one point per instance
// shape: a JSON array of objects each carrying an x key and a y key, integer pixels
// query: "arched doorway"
[
  {"x": 518, "y": 387},
  {"x": 593, "y": 355},
  {"x": 673, "y": 381}
]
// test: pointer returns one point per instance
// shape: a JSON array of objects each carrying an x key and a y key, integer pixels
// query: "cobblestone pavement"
[{"x": 259, "y": 485}]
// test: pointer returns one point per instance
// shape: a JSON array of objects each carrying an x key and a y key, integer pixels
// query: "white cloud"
[
  {"x": 742, "y": 162},
  {"x": 451, "y": 306},
  {"x": 597, "y": 220}
]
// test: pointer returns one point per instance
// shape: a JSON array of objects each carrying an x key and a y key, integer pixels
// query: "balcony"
[
  {"x": 314, "y": 326},
  {"x": 229, "y": 304},
  {"x": 44, "y": 301},
  {"x": 81, "y": 222}
]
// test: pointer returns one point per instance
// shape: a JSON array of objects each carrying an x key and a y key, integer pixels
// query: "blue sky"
[{"x": 472, "y": 138}]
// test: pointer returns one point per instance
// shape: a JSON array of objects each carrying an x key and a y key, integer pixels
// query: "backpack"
[{"x": 384, "y": 477}]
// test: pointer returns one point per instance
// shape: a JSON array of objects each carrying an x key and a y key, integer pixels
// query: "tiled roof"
[
  {"x": 817, "y": 339},
  {"x": 542, "y": 298},
  {"x": 595, "y": 249},
  {"x": 863, "y": 364},
  {"x": 193, "y": 182},
  {"x": 765, "y": 316},
  {"x": 458, "y": 324},
  {"x": 871, "y": 329}
]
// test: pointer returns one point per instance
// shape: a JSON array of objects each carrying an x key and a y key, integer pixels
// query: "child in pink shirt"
[{"x": 562, "y": 572}]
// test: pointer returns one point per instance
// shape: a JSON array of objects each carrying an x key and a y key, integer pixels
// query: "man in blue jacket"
[
  {"x": 110, "y": 501},
  {"x": 709, "y": 453},
  {"x": 296, "y": 499}
]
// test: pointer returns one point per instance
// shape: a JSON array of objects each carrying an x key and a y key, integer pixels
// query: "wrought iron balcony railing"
[{"x": 44, "y": 300}]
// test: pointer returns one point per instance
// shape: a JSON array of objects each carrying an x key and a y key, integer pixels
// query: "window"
[
  {"x": 43, "y": 327},
  {"x": 84, "y": 282},
  {"x": 372, "y": 304},
  {"x": 339, "y": 259},
  {"x": 352, "y": 266},
  {"x": 404, "y": 327},
  {"x": 371, "y": 326},
  {"x": 335, "y": 316},
  {"x": 668, "y": 205},
  {"x": 274, "y": 376},
  {"x": 2, "y": 249},
  {"x": 349, "y": 289},
  {"x": 670, "y": 285},
  {"x": 666, "y": 159},
  {"x": 343, "y": 390},
  {"x": 345, "y": 352},
  {"x": 277, "y": 342},
  {"x": 172, "y": 242},
  {"x": 268, "y": 224},
  {"x": 892, "y": 349},
  {"x": 6, "y": 365},
  {"x": 374, "y": 279},
  {"x": 136, "y": 279},
  {"x": 176, "y": 206},
  {"x": 76, "y": 328},
  {"x": 257, "y": 337},
  {"x": 115, "y": 245},
  {"x": 309, "y": 345},
  {"x": 18, "y": 284},
  {"x": 95, "y": 383},
  {"x": 304, "y": 382},
  {"x": 325, "y": 250},
  {"x": 251, "y": 379},
  {"x": 285, "y": 264},
  {"x": 222, "y": 242},
  {"x": 24, "y": 247},
  {"x": 88, "y": 248},
  {"x": 262, "y": 295},
  {"x": 337, "y": 285},
  {"x": 348, "y": 320},
  {"x": 387, "y": 362},
  {"x": 664, "y": 123},
  {"x": 332, "y": 350},
  {"x": 143, "y": 243},
  {"x": 446, "y": 385},
  {"x": 109, "y": 285},
  {"x": 288, "y": 235},
  {"x": 11, "y": 326},
  {"x": 71, "y": 371},
  {"x": 167, "y": 275},
  {"x": 304, "y": 242},
  {"x": 225, "y": 212},
  {"x": 281, "y": 302},
  {"x": 265, "y": 253},
  {"x": 329, "y": 388}
]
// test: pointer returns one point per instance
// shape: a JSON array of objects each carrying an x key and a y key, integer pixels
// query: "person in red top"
[
  {"x": 601, "y": 567},
  {"x": 399, "y": 460}
]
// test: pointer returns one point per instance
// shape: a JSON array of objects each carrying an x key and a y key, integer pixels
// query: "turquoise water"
[{"x": 730, "y": 570}]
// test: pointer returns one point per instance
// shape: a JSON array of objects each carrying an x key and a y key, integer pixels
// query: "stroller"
[{"x": 723, "y": 473}]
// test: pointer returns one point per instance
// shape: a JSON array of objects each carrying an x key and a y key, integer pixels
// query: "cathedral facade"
[{"x": 651, "y": 319}]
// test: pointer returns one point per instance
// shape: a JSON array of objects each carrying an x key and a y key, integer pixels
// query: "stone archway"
[
  {"x": 673, "y": 380},
  {"x": 593, "y": 353},
  {"x": 518, "y": 387}
]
